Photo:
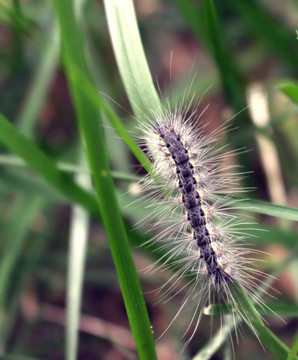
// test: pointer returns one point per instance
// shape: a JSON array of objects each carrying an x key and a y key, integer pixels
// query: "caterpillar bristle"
[{"x": 194, "y": 215}]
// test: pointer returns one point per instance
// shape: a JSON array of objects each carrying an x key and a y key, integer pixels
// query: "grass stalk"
[{"x": 92, "y": 135}]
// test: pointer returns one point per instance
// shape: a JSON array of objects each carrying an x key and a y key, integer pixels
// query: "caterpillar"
[{"x": 194, "y": 214}]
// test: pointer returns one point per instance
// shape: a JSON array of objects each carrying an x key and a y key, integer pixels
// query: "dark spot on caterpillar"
[
  {"x": 186, "y": 172},
  {"x": 208, "y": 260},
  {"x": 187, "y": 188},
  {"x": 181, "y": 160},
  {"x": 196, "y": 220}
]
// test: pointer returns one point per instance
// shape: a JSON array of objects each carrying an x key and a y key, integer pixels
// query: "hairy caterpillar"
[{"x": 194, "y": 214}]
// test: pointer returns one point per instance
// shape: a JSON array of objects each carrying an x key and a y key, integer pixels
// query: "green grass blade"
[
  {"x": 33, "y": 254},
  {"x": 192, "y": 16},
  {"x": 270, "y": 341},
  {"x": 79, "y": 230},
  {"x": 21, "y": 180},
  {"x": 294, "y": 349},
  {"x": 92, "y": 133},
  {"x": 231, "y": 79},
  {"x": 15, "y": 237},
  {"x": 41, "y": 82},
  {"x": 263, "y": 234},
  {"x": 281, "y": 309},
  {"x": 97, "y": 102},
  {"x": 274, "y": 34},
  {"x": 263, "y": 207},
  {"x": 203, "y": 23},
  {"x": 14, "y": 356},
  {"x": 67, "y": 168},
  {"x": 130, "y": 56},
  {"x": 78, "y": 237},
  {"x": 215, "y": 342},
  {"x": 290, "y": 88},
  {"x": 44, "y": 166}
]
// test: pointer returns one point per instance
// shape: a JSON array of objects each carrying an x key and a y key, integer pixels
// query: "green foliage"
[{"x": 40, "y": 181}]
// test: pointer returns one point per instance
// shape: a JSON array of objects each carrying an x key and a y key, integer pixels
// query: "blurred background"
[{"x": 258, "y": 53}]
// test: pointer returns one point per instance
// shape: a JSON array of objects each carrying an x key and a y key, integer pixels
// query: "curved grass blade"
[
  {"x": 45, "y": 166},
  {"x": 97, "y": 102},
  {"x": 294, "y": 349},
  {"x": 92, "y": 134},
  {"x": 263, "y": 207},
  {"x": 79, "y": 230},
  {"x": 67, "y": 168},
  {"x": 281, "y": 309},
  {"x": 270, "y": 341},
  {"x": 130, "y": 56},
  {"x": 203, "y": 22}
]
